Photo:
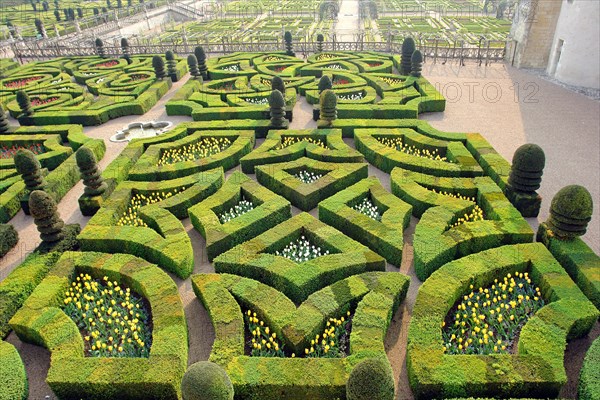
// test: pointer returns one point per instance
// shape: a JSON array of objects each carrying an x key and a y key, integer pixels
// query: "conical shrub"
[
  {"x": 159, "y": 67},
  {"x": 201, "y": 57},
  {"x": 408, "y": 48},
  {"x": 90, "y": 173},
  {"x": 328, "y": 103},
  {"x": 24, "y": 102},
  {"x": 193, "y": 66},
  {"x": 416, "y": 62},
  {"x": 45, "y": 216},
  {"x": 100, "y": 48},
  {"x": 125, "y": 50},
  {"x": 320, "y": 40},
  {"x": 277, "y": 105},
  {"x": 324, "y": 83},
  {"x": 4, "y": 127},
  {"x": 527, "y": 168},
  {"x": 30, "y": 169},
  {"x": 171, "y": 65},
  {"x": 289, "y": 50},
  {"x": 278, "y": 84},
  {"x": 570, "y": 212}
]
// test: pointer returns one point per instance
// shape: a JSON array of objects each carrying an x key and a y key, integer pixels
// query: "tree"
[
  {"x": 71, "y": 14},
  {"x": 66, "y": 13},
  {"x": 57, "y": 15},
  {"x": 277, "y": 105},
  {"x": 278, "y": 84},
  {"x": 193, "y": 66},
  {"x": 416, "y": 62},
  {"x": 320, "y": 40},
  {"x": 159, "y": 67},
  {"x": 79, "y": 12},
  {"x": 33, "y": 5},
  {"x": 288, "y": 44},
  {"x": 324, "y": 83},
  {"x": 45, "y": 6},
  {"x": 119, "y": 3},
  {"x": 201, "y": 57},
  {"x": 39, "y": 26},
  {"x": 24, "y": 103},
  {"x": 408, "y": 48},
  {"x": 4, "y": 127},
  {"x": 96, "y": 11},
  {"x": 30, "y": 169},
  {"x": 100, "y": 48},
  {"x": 171, "y": 65},
  {"x": 108, "y": 4},
  {"x": 125, "y": 50},
  {"x": 328, "y": 106},
  {"x": 45, "y": 215},
  {"x": 502, "y": 6},
  {"x": 90, "y": 173}
]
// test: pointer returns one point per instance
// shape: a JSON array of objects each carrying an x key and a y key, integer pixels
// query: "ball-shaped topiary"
[
  {"x": 24, "y": 102},
  {"x": 328, "y": 103},
  {"x": 159, "y": 67},
  {"x": 527, "y": 168},
  {"x": 371, "y": 379},
  {"x": 4, "y": 127},
  {"x": 278, "y": 84},
  {"x": 416, "y": 62},
  {"x": 277, "y": 105},
  {"x": 570, "y": 212},
  {"x": 43, "y": 210},
  {"x": 408, "y": 48},
  {"x": 324, "y": 83},
  {"x": 205, "y": 380},
  {"x": 193, "y": 66},
  {"x": 90, "y": 173},
  {"x": 30, "y": 169}
]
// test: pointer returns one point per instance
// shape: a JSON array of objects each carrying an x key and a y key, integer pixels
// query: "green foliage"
[
  {"x": 277, "y": 106},
  {"x": 570, "y": 211},
  {"x": 90, "y": 173},
  {"x": 206, "y": 380},
  {"x": 171, "y": 65},
  {"x": 416, "y": 62},
  {"x": 13, "y": 378},
  {"x": 589, "y": 379},
  {"x": 100, "y": 48},
  {"x": 29, "y": 167},
  {"x": 193, "y": 66},
  {"x": 408, "y": 48},
  {"x": 44, "y": 212},
  {"x": 125, "y": 49},
  {"x": 201, "y": 57},
  {"x": 278, "y": 84},
  {"x": 328, "y": 106},
  {"x": 39, "y": 26},
  {"x": 24, "y": 102},
  {"x": 324, "y": 83},
  {"x": 4, "y": 127},
  {"x": 8, "y": 238},
  {"x": 320, "y": 40},
  {"x": 371, "y": 379},
  {"x": 159, "y": 67},
  {"x": 527, "y": 168},
  {"x": 287, "y": 37}
]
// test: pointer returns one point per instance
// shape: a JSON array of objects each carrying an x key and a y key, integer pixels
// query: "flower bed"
[
  {"x": 301, "y": 250},
  {"x": 355, "y": 96},
  {"x": 369, "y": 209},
  {"x": 339, "y": 81},
  {"x": 306, "y": 176},
  {"x": 36, "y": 101},
  {"x": 290, "y": 140},
  {"x": 398, "y": 144},
  {"x": 241, "y": 208},
  {"x": 261, "y": 101},
  {"x": 9, "y": 152},
  {"x": 113, "y": 321},
  {"x": 488, "y": 321},
  {"x": 138, "y": 77},
  {"x": 203, "y": 148},
  {"x": 131, "y": 217},
  {"x": 476, "y": 213},
  {"x": 107, "y": 64},
  {"x": 231, "y": 68},
  {"x": 16, "y": 84}
]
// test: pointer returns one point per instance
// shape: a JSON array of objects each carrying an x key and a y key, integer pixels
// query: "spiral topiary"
[
  {"x": 408, "y": 48},
  {"x": 193, "y": 66},
  {"x": 4, "y": 127},
  {"x": 24, "y": 102},
  {"x": 100, "y": 48},
  {"x": 570, "y": 212},
  {"x": 324, "y": 83},
  {"x": 171, "y": 65},
  {"x": 43, "y": 210},
  {"x": 159, "y": 67},
  {"x": 30, "y": 169},
  {"x": 416, "y": 62},
  {"x": 287, "y": 37},
  {"x": 527, "y": 168},
  {"x": 277, "y": 105},
  {"x": 205, "y": 380},
  {"x": 328, "y": 104},
  {"x": 371, "y": 379},
  {"x": 278, "y": 84},
  {"x": 90, "y": 173},
  {"x": 201, "y": 57},
  {"x": 320, "y": 40}
]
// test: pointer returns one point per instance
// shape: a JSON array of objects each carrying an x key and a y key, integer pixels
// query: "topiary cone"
[
  {"x": 277, "y": 105},
  {"x": 100, "y": 48},
  {"x": 90, "y": 173},
  {"x": 24, "y": 102},
  {"x": 4, "y": 127},
  {"x": 201, "y": 57},
  {"x": 278, "y": 84},
  {"x": 205, "y": 380},
  {"x": 159, "y": 67},
  {"x": 328, "y": 103},
  {"x": 570, "y": 212},
  {"x": 43, "y": 210},
  {"x": 408, "y": 48},
  {"x": 171, "y": 65},
  {"x": 371, "y": 379},
  {"x": 324, "y": 83},
  {"x": 193, "y": 66},
  {"x": 527, "y": 168},
  {"x": 320, "y": 40},
  {"x": 287, "y": 37},
  {"x": 416, "y": 62},
  {"x": 30, "y": 169}
]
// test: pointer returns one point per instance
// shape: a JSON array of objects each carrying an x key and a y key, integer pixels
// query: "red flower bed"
[
  {"x": 107, "y": 64},
  {"x": 374, "y": 64},
  {"x": 339, "y": 81},
  {"x": 279, "y": 69},
  {"x": 138, "y": 77},
  {"x": 21, "y": 82},
  {"x": 9, "y": 152},
  {"x": 38, "y": 102}
]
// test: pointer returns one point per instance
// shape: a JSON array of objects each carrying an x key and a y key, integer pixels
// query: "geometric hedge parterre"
[{"x": 253, "y": 202}]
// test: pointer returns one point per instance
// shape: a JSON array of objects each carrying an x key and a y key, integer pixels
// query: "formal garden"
[{"x": 299, "y": 244}]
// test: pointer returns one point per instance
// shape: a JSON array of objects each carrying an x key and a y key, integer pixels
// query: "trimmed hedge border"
[
  {"x": 376, "y": 296},
  {"x": 255, "y": 258},
  {"x": 589, "y": 379},
  {"x": 73, "y": 375},
  {"x": 267, "y": 152},
  {"x": 385, "y": 237},
  {"x": 580, "y": 262},
  {"x": 280, "y": 179},
  {"x": 8, "y": 238},
  {"x": 270, "y": 210},
  {"x": 537, "y": 369},
  {"x": 13, "y": 378}
]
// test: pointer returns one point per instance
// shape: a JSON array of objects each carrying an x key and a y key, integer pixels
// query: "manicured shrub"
[
  {"x": 171, "y": 65},
  {"x": 125, "y": 49},
  {"x": 45, "y": 215},
  {"x": 39, "y": 27},
  {"x": 100, "y": 48},
  {"x": 57, "y": 15},
  {"x": 277, "y": 105},
  {"x": 3, "y": 121},
  {"x": 325, "y": 83},
  {"x": 371, "y": 379},
  {"x": 201, "y": 57},
  {"x": 527, "y": 168},
  {"x": 8, "y": 238},
  {"x": 287, "y": 37},
  {"x": 328, "y": 106},
  {"x": 206, "y": 380},
  {"x": 13, "y": 378},
  {"x": 320, "y": 39},
  {"x": 159, "y": 67},
  {"x": 193, "y": 66},
  {"x": 416, "y": 62},
  {"x": 408, "y": 48},
  {"x": 570, "y": 211},
  {"x": 30, "y": 169},
  {"x": 589, "y": 379},
  {"x": 278, "y": 84},
  {"x": 24, "y": 103},
  {"x": 90, "y": 173}
]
